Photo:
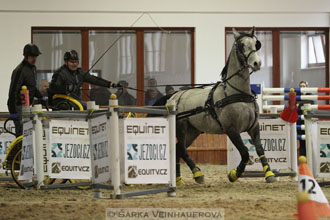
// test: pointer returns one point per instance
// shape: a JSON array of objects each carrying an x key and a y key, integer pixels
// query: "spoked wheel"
[
  {"x": 15, "y": 169},
  {"x": 64, "y": 102}
]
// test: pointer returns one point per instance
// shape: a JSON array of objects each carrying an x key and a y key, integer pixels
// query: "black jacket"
[
  {"x": 125, "y": 98},
  {"x": 23, "y": 75},
  {"x": 64, "y": 77}
]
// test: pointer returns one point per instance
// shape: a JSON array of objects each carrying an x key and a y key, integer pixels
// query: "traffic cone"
[
  {"x": 305, "y": 207},
  {"x": 317, "y": 202}
]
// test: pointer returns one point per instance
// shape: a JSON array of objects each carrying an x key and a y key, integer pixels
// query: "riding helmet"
[
  {"x": 31, "y": 50},
  {"x": 71, "y": 55}
]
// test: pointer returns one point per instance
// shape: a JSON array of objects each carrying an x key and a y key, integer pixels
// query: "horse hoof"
[
  {"x": 270, "y": 177},
  {"x": 179, "y": 181},
  {"x": 198, "y": 175},
  {"x": 232, "y": 176},
  {"x": 199, "y": 179}
]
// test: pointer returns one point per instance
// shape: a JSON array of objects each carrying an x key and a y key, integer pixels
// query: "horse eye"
[{"x": 258, "y": 45}]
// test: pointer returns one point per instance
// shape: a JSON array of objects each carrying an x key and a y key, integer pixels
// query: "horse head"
[{"x": 247, "y": 45}]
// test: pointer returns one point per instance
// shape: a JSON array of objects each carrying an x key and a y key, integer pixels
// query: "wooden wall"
[{"x": 209, "y": 148}]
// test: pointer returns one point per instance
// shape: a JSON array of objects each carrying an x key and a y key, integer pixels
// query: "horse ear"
[
  {"x": 236, "y": 33},
  {"x": 251, "y": 32}
]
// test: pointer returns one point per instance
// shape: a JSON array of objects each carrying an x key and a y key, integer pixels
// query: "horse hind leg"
[
  {"x": 197, "y": 173},
  {"x": 255, "y": 136},
  {"x": 186, "y": 136},
  {"x": 235, "y": 137}
]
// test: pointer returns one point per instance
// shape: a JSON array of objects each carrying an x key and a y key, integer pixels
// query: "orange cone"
[
  {"x": 317, "y": 202},
  {"x": 305, "y": 207}
]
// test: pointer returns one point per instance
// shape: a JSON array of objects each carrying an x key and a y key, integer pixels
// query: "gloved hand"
[
  {"x": 114, "y": 85},
  {"x": 13, "y": 116}
]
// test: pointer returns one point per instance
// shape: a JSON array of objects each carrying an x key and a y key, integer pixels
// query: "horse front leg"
[
  {"x": 235, "y": 137},
  {"x": 255, "y": 136}
]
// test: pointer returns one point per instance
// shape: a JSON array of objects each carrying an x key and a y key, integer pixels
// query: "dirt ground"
[{"x": 248, "y": 198}]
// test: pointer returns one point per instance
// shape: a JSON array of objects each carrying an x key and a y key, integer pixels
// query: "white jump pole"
[
  {"x": 91, "y": 107},
  {"x": 273, "y": 110},
  {"x": 308, "y": 135},
  {"x": 114, "y": 146},
  {"x": 293, "y": 149},
  {"x": 172, "y": 128},
  {"x": 38, "y": 145}
]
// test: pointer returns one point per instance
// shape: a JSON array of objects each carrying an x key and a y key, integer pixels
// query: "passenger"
[{"x": 25, "y": 74}]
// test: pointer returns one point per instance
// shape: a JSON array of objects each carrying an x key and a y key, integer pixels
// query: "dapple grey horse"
[{"x": 229, "y": 107}]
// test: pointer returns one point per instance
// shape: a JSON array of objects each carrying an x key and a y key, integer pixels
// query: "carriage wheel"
[
  {"x": 15, "y": 167},
  {"x": 63, "y": 103}
]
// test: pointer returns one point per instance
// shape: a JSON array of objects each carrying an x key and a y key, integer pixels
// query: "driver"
[{"x": 68, "y": 79}]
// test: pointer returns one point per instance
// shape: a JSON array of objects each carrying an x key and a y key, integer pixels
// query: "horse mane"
[{"x": 225, "y": 70}]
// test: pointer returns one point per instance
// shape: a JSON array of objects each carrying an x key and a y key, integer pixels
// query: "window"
[
  {"x": 53, "y": 44},
  {"x": 288, "y": 52},
  {"x": 167, "y": 59},
  {"x": 137, "y": 55},
  {"x": 316, "y": 50}
]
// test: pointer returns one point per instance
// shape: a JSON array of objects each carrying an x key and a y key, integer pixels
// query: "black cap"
[
  {"x": 31, "y": 50},
  {"x": 123, "y": 83},
  {"x": 71, "y": 55}
]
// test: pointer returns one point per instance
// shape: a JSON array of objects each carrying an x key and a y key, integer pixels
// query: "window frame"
[
  {"x": 140, "y": 50},
  {"x": 317, "y": 64},
  {"x": 276, "y": 47}
]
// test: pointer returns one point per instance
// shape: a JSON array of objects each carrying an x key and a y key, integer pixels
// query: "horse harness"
[{"x": 210, "y": 106}]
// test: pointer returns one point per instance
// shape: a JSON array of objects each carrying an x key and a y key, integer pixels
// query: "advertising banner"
[
  {"x": 5, "y": 140},
  {"x": 146, "y": 150},
  {"x": 322, "y": 154},
  {"x": 70, "y": 153},
  {"x": 27, "y": 156},
  {"x": 275, "y": 140},
  {"x": 99, "y": 132}
]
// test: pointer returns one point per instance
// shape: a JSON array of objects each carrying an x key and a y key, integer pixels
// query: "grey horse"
[{"x": 228, "y": 108}]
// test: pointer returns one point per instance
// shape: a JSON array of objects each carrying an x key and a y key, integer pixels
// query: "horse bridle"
[
  {"x": 242, "y": 58},
  {"x": 240, "y": 48}
]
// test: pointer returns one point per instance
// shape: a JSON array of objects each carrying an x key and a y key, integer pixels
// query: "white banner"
[
  {"x": 70, "y": 149},
  {"x": 322, "y": 155},
  {"x": 5, "y": 140},
  {"x": 146, "y": 144},
  {"x": 100, "y": 148},
  {"x": 27, "y": 163},
  {"x": 275, "y": 139}
]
